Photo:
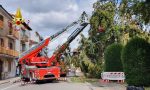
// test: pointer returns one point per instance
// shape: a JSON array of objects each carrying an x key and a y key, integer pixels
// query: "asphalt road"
[
  {"x": 46, "y": 86},
  {"x": 61, "y": 85}
]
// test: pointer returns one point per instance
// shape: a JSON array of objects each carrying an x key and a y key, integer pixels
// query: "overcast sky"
[{"x": 50, "y": 16}]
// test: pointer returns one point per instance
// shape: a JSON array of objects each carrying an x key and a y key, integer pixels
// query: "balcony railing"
[
  {"x": 7, "y": 51},
  {"x": 24, "y": 38},
  {"x": 13, "y": 34}
]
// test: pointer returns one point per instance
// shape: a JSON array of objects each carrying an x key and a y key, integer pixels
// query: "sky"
[{"x": 50, "y": 16}]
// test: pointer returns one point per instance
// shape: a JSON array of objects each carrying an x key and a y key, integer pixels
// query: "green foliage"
[
  {"x": 89, "y": 68},
  {"x": 94, "y": 70},
  {"x": 83, "y": 79},
  {"x": 112, "y": 58},
  {"x": 119, "y": 27},
  {"x": 140, "y": 8},
  {"x": 103, "y": 15},
  {"x": 84, "y": 67},
  {"x": 136, "y": 63}
]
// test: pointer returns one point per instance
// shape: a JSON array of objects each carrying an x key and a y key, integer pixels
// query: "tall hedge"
[
  {"x": 136, "y": 62},
  {"x": 112, "y": 56}
]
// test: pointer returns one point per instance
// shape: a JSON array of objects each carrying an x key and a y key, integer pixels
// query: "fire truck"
[{"x": 34, "y": 66}]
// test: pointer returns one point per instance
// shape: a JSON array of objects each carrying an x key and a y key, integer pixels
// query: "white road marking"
[{"x": 9, "y": 87}]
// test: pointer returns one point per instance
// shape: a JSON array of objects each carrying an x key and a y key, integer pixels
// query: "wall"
[{"x": 7, "y": 59}]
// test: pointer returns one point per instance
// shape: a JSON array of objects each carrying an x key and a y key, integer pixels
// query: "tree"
[
  {"x": 139, "y": 8},
  {"x": 99, "y": 34},
  {"x": 88, "y": 63},
  {"x": 113, "y": 22},
  {"x": 136, "y": 63},
  {"x": 112, "y": 58}
]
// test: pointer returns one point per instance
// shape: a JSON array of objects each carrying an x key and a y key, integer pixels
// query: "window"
[
  {"x": 23, "y": 47},
  {"x": 23, "y": 32},
  {"x": 1, "y": 18},
  {"x": 1, "y": 21},
  {"x": 10, "y": 27},
  {"x": 1, "y": 42},
  {"x": 9, "y": 65},
  {"x": 11, "y": 45}
]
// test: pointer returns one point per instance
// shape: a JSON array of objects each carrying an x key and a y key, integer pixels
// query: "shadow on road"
[
  {"x": 46, "y": 81},
  {"x": 39, "y": 82}
]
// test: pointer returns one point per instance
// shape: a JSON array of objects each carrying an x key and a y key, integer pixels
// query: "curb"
[
  {"x": 13, "y": 80},
  {"x": 4, "y": 82}
]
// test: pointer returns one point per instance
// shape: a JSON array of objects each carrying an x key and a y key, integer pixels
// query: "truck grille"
[{"x": 49, "y": 76}]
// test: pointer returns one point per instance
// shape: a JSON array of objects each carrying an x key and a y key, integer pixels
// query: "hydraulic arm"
[
  {"x": 32, "y": 52},
  {"x": 57, "y": 54},
  {"x": 36, "y": 67}
]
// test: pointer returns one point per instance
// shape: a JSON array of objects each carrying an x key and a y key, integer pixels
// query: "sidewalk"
[{"x": 10, "y": 80}]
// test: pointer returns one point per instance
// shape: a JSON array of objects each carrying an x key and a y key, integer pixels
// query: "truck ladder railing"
[
  {"x": 70, "y": 39},
  {"x": 37, "y": 48}
]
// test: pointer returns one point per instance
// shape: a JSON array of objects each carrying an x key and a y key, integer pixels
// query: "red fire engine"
[{"x": 35, "y": 67}]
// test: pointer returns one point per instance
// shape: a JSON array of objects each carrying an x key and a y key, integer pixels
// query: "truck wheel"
[{"x": 38, "y": 81}]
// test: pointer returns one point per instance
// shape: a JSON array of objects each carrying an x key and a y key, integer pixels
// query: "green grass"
[
  {"x": 147, "y": 88},
  {"x": 90, "y": 80},
  {"x": 83, "y": 79}
]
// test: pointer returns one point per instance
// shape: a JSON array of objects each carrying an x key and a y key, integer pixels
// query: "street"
[
  {"x": 62, "y": 85},
  {"x": 45, "y": 86}
]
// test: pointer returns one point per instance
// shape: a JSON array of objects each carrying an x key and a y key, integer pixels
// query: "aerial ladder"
[
  {"x": 55, "y": 58},
  {"x": 32, "y": 52},
  {"x": 37, "y": 67}
]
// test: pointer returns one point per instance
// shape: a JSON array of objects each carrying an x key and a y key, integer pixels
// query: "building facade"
[
  {"x": 12, "y": 44},
  {"x": 35, "y": 38},
  {"x": 24, "y": 40},
  {"x": 8, "y": 50}
]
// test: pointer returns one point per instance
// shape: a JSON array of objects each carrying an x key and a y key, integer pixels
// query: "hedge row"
[{"x": 134, "y": 60}]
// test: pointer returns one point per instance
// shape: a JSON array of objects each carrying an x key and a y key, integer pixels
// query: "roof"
[
  {"x": 6, "y": 11},
  {"x": 26, "y": 26}
]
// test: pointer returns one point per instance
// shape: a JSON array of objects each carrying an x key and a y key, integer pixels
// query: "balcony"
[
  {"x": 13, "y": 34},
  {"x": 24, "y": 38},
  {"x": 7, "y": 51}
]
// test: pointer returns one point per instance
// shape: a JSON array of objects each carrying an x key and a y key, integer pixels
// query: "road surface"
[
  {"x": 62, "y": 86},
  {"x": 45, "y": 86}
]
